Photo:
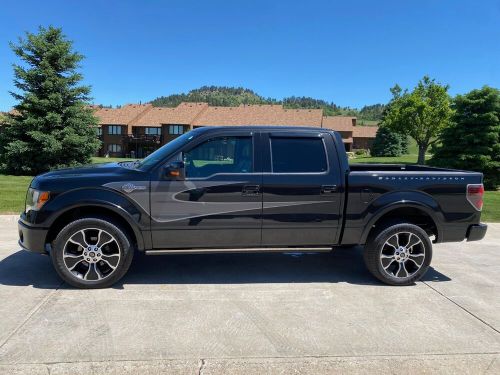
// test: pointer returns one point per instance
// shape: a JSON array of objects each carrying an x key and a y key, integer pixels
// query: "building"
[
  {"x": 114, "y": 126},
  {"x": 136, "y": 130},
  {"x": 345, "y": 125},
  {"x": 363, "y": 137}
]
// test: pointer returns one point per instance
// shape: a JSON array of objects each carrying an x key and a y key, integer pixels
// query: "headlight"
[{"x": 35, "y": 199}]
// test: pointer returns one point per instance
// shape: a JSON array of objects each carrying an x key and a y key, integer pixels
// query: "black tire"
[
  {"x": 111, "y": 260},
  {"x": 385, "y": 243}
]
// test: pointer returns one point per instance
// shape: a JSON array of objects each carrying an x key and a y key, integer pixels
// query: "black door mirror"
[{"x": 175, "y": 170}]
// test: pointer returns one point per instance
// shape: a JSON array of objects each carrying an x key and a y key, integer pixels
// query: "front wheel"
[
  {"x": 399, "y": 254},
  {"x": 92, "y": 253}
]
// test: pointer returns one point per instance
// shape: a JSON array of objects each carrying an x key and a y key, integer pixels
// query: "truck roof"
[{"x": 263, "y": 127}]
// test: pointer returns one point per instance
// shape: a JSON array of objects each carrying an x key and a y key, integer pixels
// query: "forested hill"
[
  {"x": 215, "y": 96},
  {"x": 234, "y": 96}
]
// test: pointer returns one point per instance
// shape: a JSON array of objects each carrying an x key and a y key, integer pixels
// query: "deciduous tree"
[{"x": 422, "y": 113}]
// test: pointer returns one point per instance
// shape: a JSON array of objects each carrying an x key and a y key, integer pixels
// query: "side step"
[{"x": 241, "y": 250}]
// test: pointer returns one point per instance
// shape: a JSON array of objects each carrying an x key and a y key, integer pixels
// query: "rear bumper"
[
  {"x": 476, "y": 232},
  {"x": 32, "y": 238}
]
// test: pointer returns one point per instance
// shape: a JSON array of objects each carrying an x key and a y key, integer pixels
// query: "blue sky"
[{"x": 349, "y": 52}]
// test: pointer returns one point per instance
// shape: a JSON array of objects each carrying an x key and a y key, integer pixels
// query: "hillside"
[
  {"x": 214, "y": 96},
  {"x": 234, "y": 96}
]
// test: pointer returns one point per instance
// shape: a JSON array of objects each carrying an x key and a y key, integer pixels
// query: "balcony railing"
[{"x": 142, "y": 138}]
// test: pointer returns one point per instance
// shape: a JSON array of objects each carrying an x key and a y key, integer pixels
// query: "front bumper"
[
  {"x": 476, "y": 232},
  {"x": 32, "y": 238}
]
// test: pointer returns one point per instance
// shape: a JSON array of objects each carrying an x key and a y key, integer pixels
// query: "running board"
[{"x": 241, "y": 250}]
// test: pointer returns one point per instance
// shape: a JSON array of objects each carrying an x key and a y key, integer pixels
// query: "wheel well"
[
  {"x": 410, "y": 215},
  {"x": 88, "y": 211}
]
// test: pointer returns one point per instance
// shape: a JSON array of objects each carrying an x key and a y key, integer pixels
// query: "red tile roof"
[
  {"x": 121, "y": 116},
  {"x": 259, "y": 114},
  {"x": 183, "y": 114},
  {"x": 339, "y": 123},
  {"x": 365, "y": 131}
]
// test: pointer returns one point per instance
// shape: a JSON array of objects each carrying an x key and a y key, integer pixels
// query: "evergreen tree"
[
  {"x": 52, "y": 126},
  {"x": 473, "y": 141},
  {"x": 389, "y": 143},
  {"x": 372, "y": 112}
]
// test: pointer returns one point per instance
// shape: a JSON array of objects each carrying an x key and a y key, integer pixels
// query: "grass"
[
  {"x": 410, "y": 158},
  {"x": 13, "y": 193},
  {"x": 368, "y": 122},
  {"x": 13, "y": 188},
  {"x": 405, "y": 159},
  {"x": 99, "y": 159},
  {"x": 491, "y": 208}
]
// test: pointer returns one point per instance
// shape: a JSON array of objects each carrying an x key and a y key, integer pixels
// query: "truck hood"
[
  {"x": 94, "y": 175},
  {"x": 91, "y": 169}
]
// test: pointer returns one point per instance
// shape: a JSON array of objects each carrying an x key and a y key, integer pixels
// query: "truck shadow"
[{"x": 343, "y": 265}]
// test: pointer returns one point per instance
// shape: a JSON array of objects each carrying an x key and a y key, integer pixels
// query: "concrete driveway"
[{"x": 253, "y": 313}]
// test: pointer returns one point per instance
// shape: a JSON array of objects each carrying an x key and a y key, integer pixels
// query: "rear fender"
[{"x": 402, "y": 199}]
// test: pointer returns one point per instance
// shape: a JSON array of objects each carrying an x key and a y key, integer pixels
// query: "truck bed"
[
  {"x": 372, "y": 167},
  {"x": 438, "y": 192}
]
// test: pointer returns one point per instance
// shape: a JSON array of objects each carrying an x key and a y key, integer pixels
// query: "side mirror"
[{"x": 175, "y": 170}]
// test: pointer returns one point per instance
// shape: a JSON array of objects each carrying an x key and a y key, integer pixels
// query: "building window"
[
  {"x": 114, "y": 129},
  {"x": 153, "y": 131},
  {"x": 98, "y": 131},
  {"x": 114, "y": 148},
  {"x": 175, "y": 129}
]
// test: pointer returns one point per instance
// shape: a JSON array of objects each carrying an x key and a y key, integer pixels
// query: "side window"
[
  {"x": 220, "y": 155},
  {"x": 298, "y": 155}
]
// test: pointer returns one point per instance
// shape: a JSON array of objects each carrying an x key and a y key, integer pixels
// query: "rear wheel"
[
  {"x": 399, "y": 254},
  {"x": 92, "y": 253}
]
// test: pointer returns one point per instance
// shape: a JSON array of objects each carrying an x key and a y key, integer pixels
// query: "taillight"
[{"x": 475, "y": 194}]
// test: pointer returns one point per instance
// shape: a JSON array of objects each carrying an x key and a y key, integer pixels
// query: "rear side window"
[{"x": 298, "y": 155}]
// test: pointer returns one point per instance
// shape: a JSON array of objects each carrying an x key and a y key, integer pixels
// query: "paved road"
[{"x": 252, "y": 313}]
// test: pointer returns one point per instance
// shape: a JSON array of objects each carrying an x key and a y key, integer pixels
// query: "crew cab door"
[
  {"x": 214, "y": 199},
  {"x": 302, "y": 187}
]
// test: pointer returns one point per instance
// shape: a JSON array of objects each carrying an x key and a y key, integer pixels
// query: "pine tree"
[
  {"x": 52, "y": 125},
  {"x": 389, "y": 143},
  {"x": 473, "y": 141}
]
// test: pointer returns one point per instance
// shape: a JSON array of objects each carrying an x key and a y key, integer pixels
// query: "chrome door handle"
[
  {"x": 249, "y": 190},
  {"x": 328, "y": 189}
]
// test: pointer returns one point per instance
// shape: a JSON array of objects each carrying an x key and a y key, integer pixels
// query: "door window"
[
  {"x": 220, "y": 155},
  {"x": 298, "y": 155}
]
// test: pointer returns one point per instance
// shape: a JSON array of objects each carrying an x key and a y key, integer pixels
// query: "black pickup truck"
[{"x": 248, "y": 189}]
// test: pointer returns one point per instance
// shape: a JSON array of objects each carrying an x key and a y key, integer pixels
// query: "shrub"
[{"x": 389, "y": 143}]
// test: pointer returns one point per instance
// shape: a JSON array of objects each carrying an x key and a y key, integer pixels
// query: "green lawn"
[
  {"x": 13, "y": 189},
  {"x": 410, "y": 158},
  {"x": 99, "y": 159},
  {"x": 491, "y": 208},
  {"x": 405, "y": 159},
  {"x": 13, "y": 193},
  {"x": 368, "y": 122}
]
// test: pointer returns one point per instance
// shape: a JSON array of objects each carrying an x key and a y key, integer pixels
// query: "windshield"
[{"x": 164, "y": 151}]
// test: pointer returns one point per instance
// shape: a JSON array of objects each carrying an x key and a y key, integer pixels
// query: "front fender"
[{"x": 107, "y": 199}]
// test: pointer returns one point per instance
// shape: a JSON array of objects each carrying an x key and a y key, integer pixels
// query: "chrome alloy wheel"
[
  {"x": 91, "y": 254},
  {"x": 402, "y": 255}
]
